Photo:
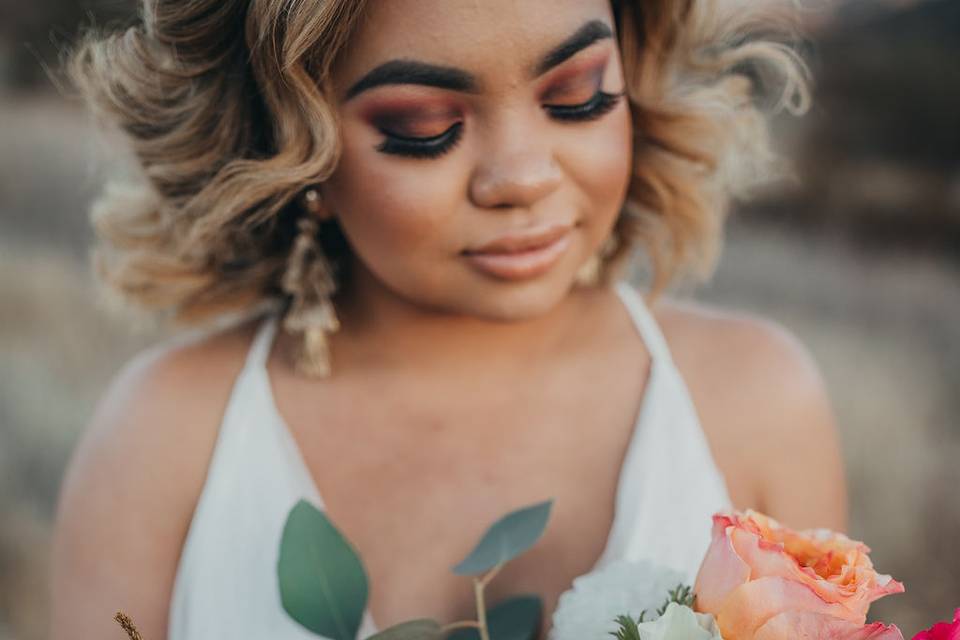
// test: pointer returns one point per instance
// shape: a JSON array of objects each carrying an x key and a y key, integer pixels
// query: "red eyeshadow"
[
  {"x": 411, "y": 118},
  {"x": 595, "y": 62}
]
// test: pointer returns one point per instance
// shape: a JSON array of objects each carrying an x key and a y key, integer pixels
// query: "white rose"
[
  {"x": 680, "y": 623},
  {"x": 589, "y": 610}
]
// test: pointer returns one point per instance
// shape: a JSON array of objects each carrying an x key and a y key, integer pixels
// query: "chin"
[{"x": 501, "y": 301}]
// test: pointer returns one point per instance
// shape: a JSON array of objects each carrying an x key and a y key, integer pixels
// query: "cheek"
[
  {"x": 390, "y": 207},
  {"x": 601, "y": 164}
]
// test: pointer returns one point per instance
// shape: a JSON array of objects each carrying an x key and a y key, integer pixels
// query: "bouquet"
[{"x": 758, "y": 581}]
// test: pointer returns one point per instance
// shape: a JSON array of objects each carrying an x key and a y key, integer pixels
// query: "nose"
[{"x": 515, "y": 170}]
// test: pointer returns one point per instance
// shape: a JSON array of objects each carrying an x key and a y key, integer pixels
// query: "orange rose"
[{"x": 763, "y": 581}]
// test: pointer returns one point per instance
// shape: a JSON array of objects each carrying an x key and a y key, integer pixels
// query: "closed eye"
[
  {"x": 417, "y": 147},
  {"x": 598, "y": 105}
]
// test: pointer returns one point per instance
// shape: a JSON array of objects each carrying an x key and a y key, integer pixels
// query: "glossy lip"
[{"x": 522, "y": 255}]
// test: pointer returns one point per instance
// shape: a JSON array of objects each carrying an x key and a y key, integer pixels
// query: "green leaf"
[
  {"x": 414, "y": 630},
  {"x": 323, "y": 585},
  {"x": 629, "y": 628},
  {"x": 516, "y": 618},
  {"x": 506, "y": 539},
  {"x": 682, "y": 595}
]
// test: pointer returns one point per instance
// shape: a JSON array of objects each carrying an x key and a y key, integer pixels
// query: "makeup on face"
[
  {"x": 431, "y": 75},
  {"x": 577, "y": 81},
  {"x": 526, "y": 189},
  {"x": 521, "y": 255},
  {"x": 423, "y": 113},
  {"x": 413, "y": 122}
]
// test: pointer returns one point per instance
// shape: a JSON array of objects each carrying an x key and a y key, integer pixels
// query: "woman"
[{"x": 423, "y": 205}]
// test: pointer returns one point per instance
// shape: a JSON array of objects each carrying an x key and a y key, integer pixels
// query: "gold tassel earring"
[
  {"x": 590, "y": 272},
  {"x": 310, "y": 281}
]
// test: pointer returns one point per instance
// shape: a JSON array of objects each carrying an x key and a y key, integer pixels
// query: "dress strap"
[
  {"x": 645, "y": 322},
  {"x": 642, "y": 317},
  {"x": 262, "y": 341}
]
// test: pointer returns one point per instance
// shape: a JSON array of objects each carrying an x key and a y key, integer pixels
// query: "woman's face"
[{"x": 486, "y": 150}]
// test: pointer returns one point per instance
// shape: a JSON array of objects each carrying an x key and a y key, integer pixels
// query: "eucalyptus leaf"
[
  {"x": 516, "y": 618},
  {"x": 506, "y": 539},
  {"x": 414, "y": 630},
  {"x": 323, "y": 584}
]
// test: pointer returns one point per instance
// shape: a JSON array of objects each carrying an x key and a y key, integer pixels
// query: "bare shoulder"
[
  {"x": 724, "y": 343},
  {"x": 133, "y": 482},
  {"x": 764, "y": 407}
]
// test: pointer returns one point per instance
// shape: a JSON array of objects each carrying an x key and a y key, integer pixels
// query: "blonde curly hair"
[{"x": 226, "y": 106}]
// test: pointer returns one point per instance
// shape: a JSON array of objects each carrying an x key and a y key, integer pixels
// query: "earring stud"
[{"x": 312, "y": 202}]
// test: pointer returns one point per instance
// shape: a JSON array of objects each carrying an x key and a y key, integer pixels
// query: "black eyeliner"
[
  {"x": 599, "y": 105},
  {"x": 432, "y": 147}
]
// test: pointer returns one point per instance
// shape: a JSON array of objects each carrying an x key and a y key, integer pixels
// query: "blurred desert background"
[{"x": 860, "y": 258}]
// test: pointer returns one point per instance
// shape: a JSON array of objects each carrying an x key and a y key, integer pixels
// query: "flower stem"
[
  {"x": 491, "y": 575},
  {"x": 478, "y": 586}
]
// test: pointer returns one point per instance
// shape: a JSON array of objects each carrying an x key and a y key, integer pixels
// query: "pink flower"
[
  {"x": 764, "y": 581},
  {"x": 942, "y": 630}
]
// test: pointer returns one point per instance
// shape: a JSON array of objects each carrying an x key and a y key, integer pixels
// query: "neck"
[{"x": 382, "y": 327}]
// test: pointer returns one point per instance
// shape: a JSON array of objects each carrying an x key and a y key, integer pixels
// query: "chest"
[{"x": 414, "y": 477}]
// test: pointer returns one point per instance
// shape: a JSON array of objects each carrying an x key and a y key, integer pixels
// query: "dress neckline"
[{"x": 624, "y": 511}]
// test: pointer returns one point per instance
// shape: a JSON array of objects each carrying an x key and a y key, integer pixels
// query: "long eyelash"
[
  {"x": 600, "y": 104},
  {"x": 432, "y": 147}
]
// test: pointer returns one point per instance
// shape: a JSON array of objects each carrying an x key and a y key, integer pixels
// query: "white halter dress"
[{"x": 226, "y": 583}]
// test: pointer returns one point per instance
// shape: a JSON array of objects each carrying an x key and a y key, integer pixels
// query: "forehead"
[{"x": 482, "y": 36}]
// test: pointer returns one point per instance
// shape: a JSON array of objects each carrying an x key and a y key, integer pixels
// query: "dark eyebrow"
[
  {"x": 431, "y": 75},
  {"x": 413, "y": 72},
  {"x": 585, "y": 36}
]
